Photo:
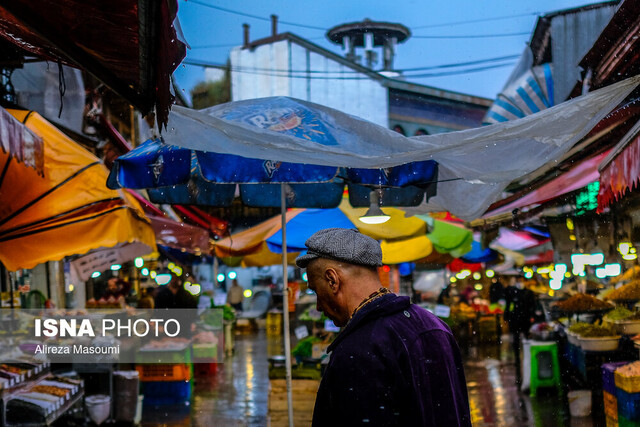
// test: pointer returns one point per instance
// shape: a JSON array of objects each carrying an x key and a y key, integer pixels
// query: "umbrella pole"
[{"x": 285, "y": 302}]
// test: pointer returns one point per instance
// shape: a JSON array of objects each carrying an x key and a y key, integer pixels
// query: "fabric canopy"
[
  {"x": 474, "y": 166},
  {"x": 579, "y": 176},
  {"x": 67, "y": 211},
  {"x": 132, "y": 45},
  {"x": 448, "y": 237},
  {"x": 178, "y": 235},
  {"x": 620, "y": 171}
]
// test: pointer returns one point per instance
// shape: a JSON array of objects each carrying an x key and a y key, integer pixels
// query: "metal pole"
[{"x": 285, "y": 302}]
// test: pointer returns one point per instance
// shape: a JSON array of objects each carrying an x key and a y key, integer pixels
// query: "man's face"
[
  {"x": 112, "y": 284},
  {"x": 327, "y": 301}
]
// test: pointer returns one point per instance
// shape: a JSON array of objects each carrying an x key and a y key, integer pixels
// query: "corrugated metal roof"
[{"x": 572, "y": 35}]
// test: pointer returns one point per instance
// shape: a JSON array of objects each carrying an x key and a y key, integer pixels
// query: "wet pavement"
[{"x": 238, "y": 394}]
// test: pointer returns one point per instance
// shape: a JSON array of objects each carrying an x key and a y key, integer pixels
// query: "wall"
[{"x": 285, "y": 68}]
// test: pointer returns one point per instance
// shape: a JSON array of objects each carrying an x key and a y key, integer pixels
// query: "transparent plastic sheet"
[{"x": 475, "y": 165}]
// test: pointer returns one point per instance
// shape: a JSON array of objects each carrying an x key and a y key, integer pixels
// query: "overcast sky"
[{"x": 443, "y": 33}]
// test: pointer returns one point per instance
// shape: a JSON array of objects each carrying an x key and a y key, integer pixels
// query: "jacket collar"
[{"x": 383, "y": 306}]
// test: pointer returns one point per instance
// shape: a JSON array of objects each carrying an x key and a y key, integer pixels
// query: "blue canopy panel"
[
  {"x": 303, "y": 225},
  {"x": 181, "y": 176},
  {"x": 478, "y": 254}
]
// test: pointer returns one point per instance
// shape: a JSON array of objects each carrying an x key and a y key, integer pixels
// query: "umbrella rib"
[
  {"x": 51, "y": 218},
  {"x": 46, "y": 193},
  {"x": 53, "y": 227},
  {"x": 4, "y": 170}
]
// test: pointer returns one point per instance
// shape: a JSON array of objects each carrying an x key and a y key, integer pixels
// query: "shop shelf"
[
  {"x": 164, "y": 372},
  {"x": 166, "y": 392}
]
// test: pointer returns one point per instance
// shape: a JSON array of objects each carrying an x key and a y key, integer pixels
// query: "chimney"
[
  {"x": 246, "y": 35},
  {"x": 274, "y": 25}
]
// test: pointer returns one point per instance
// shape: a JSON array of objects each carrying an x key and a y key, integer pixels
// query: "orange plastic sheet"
[{"x": 66, "y": 211}]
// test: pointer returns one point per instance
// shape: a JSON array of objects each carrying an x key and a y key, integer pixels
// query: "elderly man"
[{"x": 394, "y": 363}]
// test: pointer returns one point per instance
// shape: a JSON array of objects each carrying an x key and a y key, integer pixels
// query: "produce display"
[
  {"x": 630, "y": 370},
  {"x": 630, "y": 291},
  {"x": 581, "y": 303},
  {"x": 587, "y": 330},
  {"x": 621, "y": 313},
  {"x": 630, "y": 274}
]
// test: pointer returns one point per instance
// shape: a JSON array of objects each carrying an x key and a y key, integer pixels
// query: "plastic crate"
[
  {"x": 201, "y": 370},
  {"x": 608, "y": 377},
  {"x": 610, "y": 405},
  {"x": 610, "y": 422},
  {"x": 163, "y": 372},
  {"x": 628, "y": 384},
  {"x": 166, "y": 392},
  {"x": 205, "y": 352},
  {"x": 164, "y": 356},
  {"x": 624, "y": 422},
  {"x": 628, "y": 405}
]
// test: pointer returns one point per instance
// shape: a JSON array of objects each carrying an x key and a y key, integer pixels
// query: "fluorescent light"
[
  {"x": 145, "y": 271},
  {"x": 163, "y": 279},
  {"x": 95, "y": 274},
  {"x": 528, "y": 275},
  {"x": 555, "y": 284},
  {"x": 601, "y": 273},
  {"x": 490, "y": 273},
  {"x": 477, "y": 286},
  {"x": 624, "y": 247},
  {"x": 477, "y": 276},
  {"x": 220, "y": 277},
  {"x": 153, "y": 274},
  {"x": 629, "y": 257},
  {"x": 374, "y": 214},
  {"x": 138, "y": 262},
  {"x": 453, "y": 279},
  {"x": 232, "y": 275},
  {"x": 247, "y": 293},
  {"x": 612, "y": 269},
  {"x": 305, "y": 277},
  {"x": 116, "y": 267}
]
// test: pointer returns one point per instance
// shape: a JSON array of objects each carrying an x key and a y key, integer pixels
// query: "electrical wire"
[
  {"x": 473, "y": 36},
  {"x": 315, "y": 77},
  {"x": 474, "y": 21},
  {"x": 342, "y": 72},
  {"x": 248, "y": 15}
]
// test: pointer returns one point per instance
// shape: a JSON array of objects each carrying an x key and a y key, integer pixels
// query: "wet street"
[{"x": 238, "y": 394}]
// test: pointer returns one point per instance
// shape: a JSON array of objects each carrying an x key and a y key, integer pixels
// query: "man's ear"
[{"x": 333, "y": 279}]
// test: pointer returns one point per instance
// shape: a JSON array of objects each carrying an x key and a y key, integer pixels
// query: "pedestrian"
[
  {"x": 519, "y": 313},
  {"x": 393, "y": 363},
  {"x": 235, "y": 296},
  {"x": 173, "y": 295}
]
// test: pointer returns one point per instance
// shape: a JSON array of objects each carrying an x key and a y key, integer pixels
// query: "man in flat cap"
[{"x": 393, "y": 363}]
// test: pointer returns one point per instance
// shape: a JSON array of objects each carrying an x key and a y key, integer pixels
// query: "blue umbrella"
[{"x": 209, "y": 177}]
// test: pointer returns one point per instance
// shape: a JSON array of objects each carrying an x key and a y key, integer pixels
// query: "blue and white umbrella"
[{"x": 530, "y": 93}]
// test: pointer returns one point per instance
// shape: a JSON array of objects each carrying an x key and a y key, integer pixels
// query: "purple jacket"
[{"x": 394, "y": 364}]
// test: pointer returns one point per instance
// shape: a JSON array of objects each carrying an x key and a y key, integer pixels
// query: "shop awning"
[
  {"x": 66, "y": 211},
  {"x": 181, "y": 236},
  {"x": 20, "y": 143},
  {"x": 577, "y": 177},
  {"x": 620, "y": 170},
  {"x": 131, "y": 46}
]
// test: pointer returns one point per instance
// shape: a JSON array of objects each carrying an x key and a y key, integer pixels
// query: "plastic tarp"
[
  {"x": 20, "y": 143},
  {"x": 448, "y": 237},
  {"x": 181, "y": 236},
  {"x": 69, "y": 210},
  {"x": 577, "y": 177},
  {"x": 474, "y": 165}
]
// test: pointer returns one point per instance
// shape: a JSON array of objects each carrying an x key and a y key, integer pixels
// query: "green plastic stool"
[{"x": 551, "y": 381}]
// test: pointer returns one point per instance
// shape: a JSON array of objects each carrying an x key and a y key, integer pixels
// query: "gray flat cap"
[{"x": 342, "y": 244}]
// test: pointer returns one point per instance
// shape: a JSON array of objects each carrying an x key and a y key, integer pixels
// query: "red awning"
[
  {"x": 129, "y": 45},
  {"x": 179, "y": 235},
  {"x": 579, "y": 176},
  {"x": 620, "y": 171}
]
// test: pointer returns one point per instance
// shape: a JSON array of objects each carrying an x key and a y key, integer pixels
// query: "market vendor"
[
  {"x": 173, "y": 295},
  {"x": 394, "y": 363}
]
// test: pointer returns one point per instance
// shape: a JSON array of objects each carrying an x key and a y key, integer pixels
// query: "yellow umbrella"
[{"x": 67, "y": 211}]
